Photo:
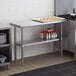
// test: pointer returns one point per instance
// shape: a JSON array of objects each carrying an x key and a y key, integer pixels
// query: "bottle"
[
  {"x": 53, "y": 35},
  {"x": 42, "y": 35},
  {"x": 56, "y": 34},
  {"x": 49, "y": 30},
  {"x": 50, "y": 34},
  {"x": 47, "y": 34}
]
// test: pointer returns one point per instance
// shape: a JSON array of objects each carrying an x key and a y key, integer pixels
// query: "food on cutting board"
[{"x": 48, "y": 19}]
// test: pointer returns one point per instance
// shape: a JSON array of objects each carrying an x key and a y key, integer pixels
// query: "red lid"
[
  {"x": 50, "y": 31},
  {"x": 42, "y": 31},
  {"x": 46, "y": 32},
  {"x": 55, "y": 31},
  {"x": 49, "y": 28}
]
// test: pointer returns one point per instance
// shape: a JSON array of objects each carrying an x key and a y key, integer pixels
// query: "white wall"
[
  {"x": 19, "y": 10},
  {"x": 23, "y": 9},
  {"x": 64, "y": 6}
]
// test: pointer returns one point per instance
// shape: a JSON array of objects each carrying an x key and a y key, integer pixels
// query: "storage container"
[
  {"x": 2, "y": 58},
  {"x": 54, "y": 34},
  {"x": 42, "y": 35}
]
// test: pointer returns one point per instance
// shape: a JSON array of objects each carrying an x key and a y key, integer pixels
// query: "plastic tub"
[{"x": 2, "y": 58}]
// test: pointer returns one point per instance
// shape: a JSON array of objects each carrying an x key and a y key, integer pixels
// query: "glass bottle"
[
  {"x": 42, "y": 35},
  {"x": 56, "y": 34},
  {"x": 53, "y": 35},
  {"x": 47, "y": 35}
]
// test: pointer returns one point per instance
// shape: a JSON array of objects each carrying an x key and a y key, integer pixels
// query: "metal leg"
[
  {"x": 54, "y": 42},
  {"x": 8, "y": 66},
  {"x": 22, "y": 58},
  {"x": 10, "y": 46},
  {"x": 53, "y": 47},
  {"x": 75, "y": 55},
  {"x": 61, "y": 40},
  {"x": 15, "y": 43}
]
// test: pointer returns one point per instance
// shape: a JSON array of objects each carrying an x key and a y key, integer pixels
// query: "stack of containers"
[
  {"x": 52, "y": 33},
  {"x": 49, "y": 34},
  {"x": 44, "y": 35}
]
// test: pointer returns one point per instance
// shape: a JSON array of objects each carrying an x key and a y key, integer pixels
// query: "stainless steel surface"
[
  {"x": 22, "y": 56},
  {"x": 5, "y": 26},
  {"x": 4, "y": 64},
  {"x": 15, "y": 43},
  {"x": 10, "y": 42},
  {"x": 74, "y": 10},
  {"x": 4, "y": 45},
  {"x": 8, "y": 66},
  {"x": 68, "y": 41},
  {"x": 69, "y": 34},
  {"x": 30, "y": 23},
  {"x": 61, "y": 40},
  {"x": 23, "y": 44},
  {"x": 53, "y": 47},
  {"x": 35, "y": 42}
]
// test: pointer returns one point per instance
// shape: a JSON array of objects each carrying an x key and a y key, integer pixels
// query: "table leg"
[
  {"x": 22, "y": 57},
  {"x": 8, "y": 66},
  {"x": 61, "y": 40},
  {"x": 15, "y": 43},
  {"x": 54, "y": 26}
]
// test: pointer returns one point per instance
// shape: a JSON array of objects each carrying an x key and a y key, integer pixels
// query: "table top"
[
  {"x": 4, "y": 26},
  {"x": 28, "y": 23}
]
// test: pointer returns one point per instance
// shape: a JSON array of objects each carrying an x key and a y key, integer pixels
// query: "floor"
[{"x": 35, "y": 62}]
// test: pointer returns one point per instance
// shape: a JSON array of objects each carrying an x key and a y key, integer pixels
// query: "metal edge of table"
[{"x": 45, "y": 23}]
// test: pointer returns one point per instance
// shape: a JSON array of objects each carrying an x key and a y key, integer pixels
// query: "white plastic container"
[
  {"x": 2, "y": 58},
  {"x": 54, "y": 34},
  {"x": 50, "y": 34},
  {"x": 47, "y": 35}
]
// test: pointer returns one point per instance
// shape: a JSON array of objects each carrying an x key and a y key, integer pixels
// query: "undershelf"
[
  {"x": 5, "y": 63},
  {"x": 35, "y": 42}
]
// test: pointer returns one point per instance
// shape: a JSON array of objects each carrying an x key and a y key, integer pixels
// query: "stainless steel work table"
[
  {"x": 30, "y": 23},
  {"x": 5, "y": 48}
]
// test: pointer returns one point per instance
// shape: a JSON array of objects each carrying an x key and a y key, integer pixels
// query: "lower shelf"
[
  {"x": 3, "y": 64},
  {"x": 4, "y": 45},
  {"x": 35, "y": 42}
]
